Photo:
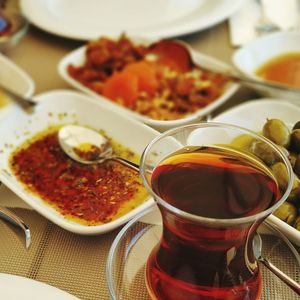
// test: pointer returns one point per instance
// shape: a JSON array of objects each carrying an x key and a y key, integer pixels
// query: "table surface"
[{"x": 38, "y": 53}]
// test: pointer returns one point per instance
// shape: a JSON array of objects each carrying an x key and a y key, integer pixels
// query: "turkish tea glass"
[{"x": 214, "y": 184}]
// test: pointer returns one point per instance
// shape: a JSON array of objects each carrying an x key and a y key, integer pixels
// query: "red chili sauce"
[{"x": 88, "y": 194}]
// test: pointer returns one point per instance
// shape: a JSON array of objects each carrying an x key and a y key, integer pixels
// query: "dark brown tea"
[{"x": 197, "y": 259}]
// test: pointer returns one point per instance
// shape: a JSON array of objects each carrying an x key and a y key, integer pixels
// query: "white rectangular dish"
[
  {"x": 77, "y": 58},
  {"x": 65, "y": 107},
  {"x": 14, "y": 78},
  {"x": 253, "y": 115}
]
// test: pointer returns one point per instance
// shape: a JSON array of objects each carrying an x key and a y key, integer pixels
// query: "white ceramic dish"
[
  {"x": 82, "y": 20},
  {"x": 65, "y": 107},
  {"x": 14, "y": 287},
  {"x": 250, "y": 57},
  {"x": 13, "y": 77},
  {"x": 77, "y": 58},
  {"x": 253, "y": 115}
]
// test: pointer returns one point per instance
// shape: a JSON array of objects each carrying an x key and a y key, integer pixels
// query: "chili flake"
[{"x": 88, "y": 194}]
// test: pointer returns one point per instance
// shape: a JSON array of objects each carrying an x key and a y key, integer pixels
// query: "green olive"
[
  {"x": 293, "y": 158},
  {"x": 280, "y": 173},
  {"x": 243, "y": 141},
  {"x": 264, "y": 151},
  {"x": 277, "y": 131},
  {"x": 297, "y": 223},
  {"x": 295, "y": 140},
  {"x": 296, "y": 166},
  {"x": 297, "y": 125},
  {"x": 294, "y": 195},
  {"x": 286, "y": 212}
]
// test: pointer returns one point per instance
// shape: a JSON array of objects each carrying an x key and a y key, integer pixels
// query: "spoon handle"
[
  {"x": 260, "y": 83},
  {"x": 285, "y": 278},
  {"x": 127, "y": 163},
  {"x": 9, "y": 216},
  {"x": 25, "y": 103}
]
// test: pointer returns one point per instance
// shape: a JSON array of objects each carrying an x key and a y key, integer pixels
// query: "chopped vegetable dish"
[{"x": 159, "y": 81}]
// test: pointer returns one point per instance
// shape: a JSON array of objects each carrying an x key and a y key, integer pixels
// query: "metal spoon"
[
  {"x": 72, "y": 138},
  {"x": 9, "y": 216},
  {"x": 257, "y": 248},
  {"x": 25, "y": 103},
  {"x": 158, "y": 49}
]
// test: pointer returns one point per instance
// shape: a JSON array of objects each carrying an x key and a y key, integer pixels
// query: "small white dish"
[
  {"x": 82, "y": 20},
  {"x": 253, "y": 55},
  {"x": 65, "y": 107},
  {"x": 252, "y": 115},
  {"x": 14, "y": 78},
  {"x": 14, "y": 287},
  {"x": 77, "y": 57}
]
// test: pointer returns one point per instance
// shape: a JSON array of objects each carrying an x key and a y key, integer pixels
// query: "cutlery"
[
  {"x": 25, "y": 103},
  {"x": 265, "y": 25},
  {"x": 72, "y": 137},
  {"x": 257, "y": 247},
  {"x": 178, "y": 49},
  {"x": 9, "y": 216}
]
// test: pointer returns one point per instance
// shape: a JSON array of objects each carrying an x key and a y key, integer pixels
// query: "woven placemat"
[
  {"x": 76, "y": 264},
  {"x": 70, "y": 262}
]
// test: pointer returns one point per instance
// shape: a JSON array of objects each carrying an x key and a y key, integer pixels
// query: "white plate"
[
  {"x": 64, "y": 107},
  {"x": 85, "y": 20},
  {"x": 14, "y": 287},
  {"x": 77, "y": 57},
  {"x": 13, "y": 77},
  {"x": 253, "y": 115}
]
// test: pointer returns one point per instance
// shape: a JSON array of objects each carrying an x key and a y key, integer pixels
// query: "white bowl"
[
  {"x": 77, "y": 57},
  {"x": 250, "y": 57},
  {"x": 14, "y": 78},
  {"x": 74, "y": 107},
  {"x": 253, "y": 115}
]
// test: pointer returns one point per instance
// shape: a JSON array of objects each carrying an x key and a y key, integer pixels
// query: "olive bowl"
[{"x": 253, "y": 115}]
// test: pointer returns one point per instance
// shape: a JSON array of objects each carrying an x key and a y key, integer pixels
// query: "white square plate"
[
  {"x": 253, "y": 115},
  {"x": 77, "y": 58},
  {"x": 65, "y": 107}
]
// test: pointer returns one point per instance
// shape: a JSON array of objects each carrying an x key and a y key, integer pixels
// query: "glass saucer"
[{"x": 125, "y": 271}]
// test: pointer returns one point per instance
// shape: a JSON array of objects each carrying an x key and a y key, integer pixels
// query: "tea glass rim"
[{"x": 215, "y": 221}]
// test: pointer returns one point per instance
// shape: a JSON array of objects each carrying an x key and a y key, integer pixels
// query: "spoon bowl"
[
  {"x": 168, "y": 47},
  {"x": 88, "y": 146}
]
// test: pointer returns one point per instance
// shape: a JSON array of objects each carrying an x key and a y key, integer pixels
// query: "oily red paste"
[{"x": 90, "y": 194}]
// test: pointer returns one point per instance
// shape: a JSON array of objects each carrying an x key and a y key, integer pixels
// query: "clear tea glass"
[{"x": 214, "y": 184}]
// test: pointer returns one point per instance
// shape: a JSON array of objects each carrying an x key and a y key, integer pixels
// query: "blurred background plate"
[
  {"x": 85, "y": 20},
  {"x": 17, "y": 287}
]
